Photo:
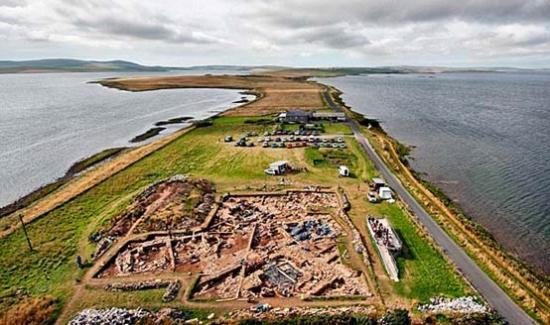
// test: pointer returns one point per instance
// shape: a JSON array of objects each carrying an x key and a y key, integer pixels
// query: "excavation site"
[{"x": 240, "y": 246}]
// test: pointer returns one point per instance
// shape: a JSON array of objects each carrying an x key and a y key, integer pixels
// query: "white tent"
[{"x": 344, "y": 171}]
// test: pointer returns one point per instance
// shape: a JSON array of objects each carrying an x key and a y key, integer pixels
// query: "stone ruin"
[
  {"x": 178, "y": 203},
  {"x": 291, "y": 249},
  {"x": 264, "y": 245},
  {"x": 172, "y": 287}
]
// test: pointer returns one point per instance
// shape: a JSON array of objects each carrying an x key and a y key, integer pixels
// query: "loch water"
[
  {"x": 48, "y": 121},
  {"x": 483, "y": 138}
]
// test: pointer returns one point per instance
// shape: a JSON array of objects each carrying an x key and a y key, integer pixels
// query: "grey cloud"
[
  {"x": 153, "y": 30},
  {"x": 12, "y": 3},
  {"x": 279, "y": 31},
  {"x": 535, "y": 41},
  {"x": 336, "y": 37},
  {"x": 319, "y": 12},
  {"x": 107, "y": 20}
]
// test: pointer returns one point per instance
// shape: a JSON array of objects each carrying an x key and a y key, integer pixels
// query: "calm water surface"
[
  {"x": 49, "y": 121},
  {"x": 484, "y": 138}
]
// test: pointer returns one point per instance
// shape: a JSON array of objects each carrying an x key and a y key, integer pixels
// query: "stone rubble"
[
  {"x": 172, "y": 287},
  {"x": 171, "y": 291},
  {"x": 122, "y": 316},
  {"x": 114, "y": 316},
  {"x": 290, "y": 312},
  {"x": 465, "y": 305},
  {"x": 134, "y": 286}
]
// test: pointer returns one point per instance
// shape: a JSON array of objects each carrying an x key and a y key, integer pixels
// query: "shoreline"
[
  {"x": 8, "y": 222},
  {"x": 158, "y": 127},
  {"x": 81, "y": 166},
  {"x": 403, "y": 152},
  {"x": 514, "y": 218},
  {"x": 360, "y": 118},
  {"x": 516, "y": 269}
]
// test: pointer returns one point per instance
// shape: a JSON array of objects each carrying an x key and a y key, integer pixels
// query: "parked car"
[{"x": 371, "y": 196}]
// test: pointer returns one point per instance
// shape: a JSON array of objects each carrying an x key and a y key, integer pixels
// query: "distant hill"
[{"x": 71, "y": 65}]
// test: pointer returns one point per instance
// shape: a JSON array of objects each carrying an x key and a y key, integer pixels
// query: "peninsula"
[{"x": 290, "y": 205}]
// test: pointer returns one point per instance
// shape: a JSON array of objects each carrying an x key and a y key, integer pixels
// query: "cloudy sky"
[{"x": 281, "y": 32}]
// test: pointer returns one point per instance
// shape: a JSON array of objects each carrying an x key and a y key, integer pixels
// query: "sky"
[{"x": 320, "y": 33}]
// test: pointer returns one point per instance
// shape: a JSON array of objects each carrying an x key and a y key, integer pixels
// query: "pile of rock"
[
  {"x": 290, "y": 312},
  {"x": 129, "y": 316},
  {"x": 103, "y": 244},
  {"x": 172, "y": 287},
  {"x": 463, "y": 305},
  {"x": 171, "y": 291},
  {"x": 133, "y": 286},
  {"x": 112, "y": 316}
]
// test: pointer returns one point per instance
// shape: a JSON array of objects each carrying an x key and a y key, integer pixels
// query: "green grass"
[
  {"x": 423, "y": 271},
  {"x": 330, "y": 159},
  {"x": 51, "y": 268},
  {"x": 92, "y": 160},
  {"x": 337, "y": 128},
  {"x": 314, "y": 156},
  {"x": 62, "y": 234},
  {"x": 341, "y": 245}
]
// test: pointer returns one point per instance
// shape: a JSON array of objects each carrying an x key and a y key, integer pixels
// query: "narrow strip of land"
[{"x": 494, "y": 295}]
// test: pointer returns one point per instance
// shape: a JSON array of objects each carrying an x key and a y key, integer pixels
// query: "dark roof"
[{"x": 297, "y": 113}]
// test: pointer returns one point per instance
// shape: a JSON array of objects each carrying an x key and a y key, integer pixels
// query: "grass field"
[
  {"x": 62, "y": 234},
  {"x": 276, "y": 93},
  {"x": 424, "y": 273}
]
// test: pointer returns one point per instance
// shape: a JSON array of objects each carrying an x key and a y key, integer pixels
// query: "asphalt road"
[{"x": 490, "y": 291}]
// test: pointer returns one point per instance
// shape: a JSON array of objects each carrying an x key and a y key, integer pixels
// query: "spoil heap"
[
  {"x": 465, "y": 305},
  {"x": 121, "y": 316},
  {"x": 114, "y": 316}
]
